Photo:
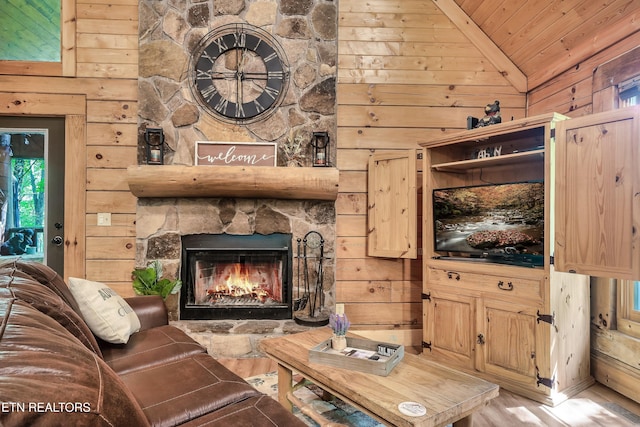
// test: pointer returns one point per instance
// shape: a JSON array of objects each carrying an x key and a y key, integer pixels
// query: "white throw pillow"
[{"x": 107, "y": 314}]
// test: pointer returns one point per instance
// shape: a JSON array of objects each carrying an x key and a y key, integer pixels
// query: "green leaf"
[
  {"x": 169, "y": 287},
  {"x": 147, "y": 281}
]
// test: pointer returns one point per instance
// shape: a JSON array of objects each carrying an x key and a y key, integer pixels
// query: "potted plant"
[
  {"x": 339, "y": 324},
  {"x": 149, "y": 281}
]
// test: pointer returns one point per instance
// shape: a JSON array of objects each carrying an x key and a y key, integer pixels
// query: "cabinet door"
[
  {"x": 509, "y": 335},
  {"x": 598, "y": 195},
  {"x": 448, "y": 325},
  {"x": 392, "y": 205}
]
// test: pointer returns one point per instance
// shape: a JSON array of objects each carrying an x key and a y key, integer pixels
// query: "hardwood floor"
[{"x": 596, "y": 406}]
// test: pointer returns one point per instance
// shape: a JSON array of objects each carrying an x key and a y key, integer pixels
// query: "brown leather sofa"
[{"x": 53, "y": 370}]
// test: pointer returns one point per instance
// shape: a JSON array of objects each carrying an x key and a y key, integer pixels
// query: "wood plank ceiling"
[{"x": 545, "y": 38}]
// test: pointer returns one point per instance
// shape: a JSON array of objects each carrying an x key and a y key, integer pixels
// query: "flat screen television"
[{"x": 502, "y": 223}]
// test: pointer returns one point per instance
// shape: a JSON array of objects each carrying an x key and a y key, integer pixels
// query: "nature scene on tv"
[{"x": 490, "y": 219}]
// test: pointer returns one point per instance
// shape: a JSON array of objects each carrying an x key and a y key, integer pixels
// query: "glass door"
[{"x": 32, "y": 189}]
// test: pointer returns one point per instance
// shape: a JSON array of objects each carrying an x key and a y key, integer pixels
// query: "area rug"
[{"x": 334, "y": 410}]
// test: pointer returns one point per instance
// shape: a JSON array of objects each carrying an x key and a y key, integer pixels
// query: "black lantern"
[
  {"x": 321, "y": 152},
  {"x": 155, "y": 146}
]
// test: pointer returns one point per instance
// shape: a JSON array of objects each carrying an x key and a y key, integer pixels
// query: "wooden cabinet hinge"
[
  {"x": 547, "y": 318},
  {"x": 547, "y": 382},
  {"x": 426, "y": 344},
  {"x": 426, "y": 296}
]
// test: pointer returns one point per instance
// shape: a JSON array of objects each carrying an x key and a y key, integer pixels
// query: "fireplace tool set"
[{"x": 309, "y": 307}]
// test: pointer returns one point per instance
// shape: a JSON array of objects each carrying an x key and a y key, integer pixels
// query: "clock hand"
[
  {"x": 240, "y": 75},
  {"x": 239, "y": 96},
  {"x": 255, "y": 76},
  {"x": 220, "y": 75}
]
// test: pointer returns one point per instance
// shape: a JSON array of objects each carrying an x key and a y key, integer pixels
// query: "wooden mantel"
[{"x": 263, "y": 182}]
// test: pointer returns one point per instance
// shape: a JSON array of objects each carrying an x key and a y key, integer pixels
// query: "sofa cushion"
[
  {"x": 150, "y": 347},
  {"x": 49, "y": 378},
  {"x": 257, "y": 411},
  {"x": 197, "y": 385},
  {"x": 150, "y": 309},
  {"x": 107, "y": 313},
  {"x": 44, "y": 275},
  {"x": 43, "y": 299}
]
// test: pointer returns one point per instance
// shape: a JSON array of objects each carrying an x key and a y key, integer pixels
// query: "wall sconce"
[
  {"x": 155, "y": 146},
  {"x": 321, "y": 152}
]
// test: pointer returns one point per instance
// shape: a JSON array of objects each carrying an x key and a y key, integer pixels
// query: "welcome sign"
[{"x": 210, "y": 153}]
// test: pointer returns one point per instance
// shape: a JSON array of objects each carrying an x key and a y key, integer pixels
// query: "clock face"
[{"x": 240, "y": 73}]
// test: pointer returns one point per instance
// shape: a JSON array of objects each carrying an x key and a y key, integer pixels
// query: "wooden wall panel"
[
  {"x": 106, "y": 179},
  {"x": 101, "y": 69},
  {"x": 121, "y": 225},
  {"x": 405, "y": 74},
  {"x": 95, "y": 89},
  {"x": 571, "y": 93},
  {"x": 111, "y": 247},
  {"x": 123, "y": 134}
]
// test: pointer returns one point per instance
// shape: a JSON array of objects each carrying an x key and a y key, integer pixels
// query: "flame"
[{"x": 238, "y": 283}]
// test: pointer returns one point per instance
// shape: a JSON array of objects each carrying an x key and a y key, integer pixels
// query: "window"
[
  {"x": 629, "y": 307},
  {"x": 38, "y": 37},
  {"x": 31, "y": 30},
  {"x": 22, "y": 193},
  {"x": 628, "y": 92}
]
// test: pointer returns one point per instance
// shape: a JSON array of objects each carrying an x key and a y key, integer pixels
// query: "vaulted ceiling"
[{"x": 543, "y": 38}]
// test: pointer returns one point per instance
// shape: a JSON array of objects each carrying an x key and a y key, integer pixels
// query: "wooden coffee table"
[{"x": 450, "y": 396}]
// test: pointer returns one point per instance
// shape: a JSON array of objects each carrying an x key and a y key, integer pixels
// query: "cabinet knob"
[
  {"x": 453, "y": 275},
  {"x": 507, "y": 287},
  {"x": 480, "y": 339}
]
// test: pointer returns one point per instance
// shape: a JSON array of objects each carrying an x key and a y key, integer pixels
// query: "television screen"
[{"x": 498, "y": 222}]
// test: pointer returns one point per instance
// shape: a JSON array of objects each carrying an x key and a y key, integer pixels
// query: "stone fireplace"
[
  {"x": 169, "y": 228},
  {"x": 168, "y": 32},
  {"x": 236, "y": 277}
]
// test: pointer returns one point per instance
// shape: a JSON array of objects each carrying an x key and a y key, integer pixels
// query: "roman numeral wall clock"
[{"x": 240, "y": 73}]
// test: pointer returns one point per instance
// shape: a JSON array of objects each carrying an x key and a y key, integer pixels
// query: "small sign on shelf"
[
  {"x": 486, "y": 152},
  {"x": 210, "y": 153}
]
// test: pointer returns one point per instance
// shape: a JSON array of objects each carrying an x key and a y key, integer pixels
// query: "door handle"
[{"x": 57, "y": 240}]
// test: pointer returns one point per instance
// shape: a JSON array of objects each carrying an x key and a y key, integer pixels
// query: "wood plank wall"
[
  {"x": 106, "y": 75},
  {"x": 405, "y": 74},
  {"x": 107, "y": 40},
  {"x": 571, "y": 92}
]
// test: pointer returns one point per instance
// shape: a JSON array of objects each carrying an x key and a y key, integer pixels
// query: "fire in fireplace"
[{"x": 236, "y": 277}]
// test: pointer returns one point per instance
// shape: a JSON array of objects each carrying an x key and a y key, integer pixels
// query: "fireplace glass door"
[{"x": 236, "y": 277}]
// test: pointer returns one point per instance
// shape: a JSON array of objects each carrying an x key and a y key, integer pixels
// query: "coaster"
[{"x": 412, "y": 409}]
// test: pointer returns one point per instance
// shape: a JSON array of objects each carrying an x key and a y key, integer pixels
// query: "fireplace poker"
[
  {"x": 301, "y": 302},
  {"x": 307, "y": 293},
  {"x": 320, "y": 282}
]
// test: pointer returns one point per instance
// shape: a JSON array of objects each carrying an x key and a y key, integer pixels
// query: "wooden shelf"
[
  {"x": 507, "y": 159},
  {"x": 484, "y": 133},
  {"x": 263, "y": 182}
]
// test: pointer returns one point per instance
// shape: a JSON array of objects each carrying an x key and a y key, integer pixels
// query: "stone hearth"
[{"x": 236, "y": 339}]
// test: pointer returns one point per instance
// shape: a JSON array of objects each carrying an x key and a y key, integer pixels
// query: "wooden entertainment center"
[
  {"x": 523, "y": 325},
  {"x": 525, "y": 328}
]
